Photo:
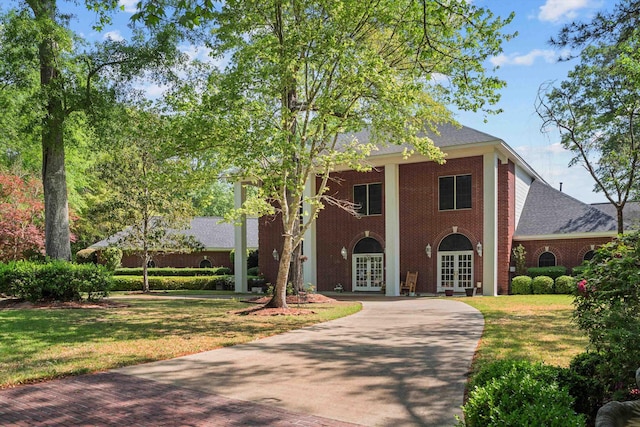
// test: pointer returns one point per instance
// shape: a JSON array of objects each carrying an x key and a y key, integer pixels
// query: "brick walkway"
[{"x": 112, "y": 399}]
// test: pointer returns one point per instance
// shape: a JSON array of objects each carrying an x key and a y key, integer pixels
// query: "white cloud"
[
  {"x": 556, "y": 10},
  {"x": 113, "y": 35},
  {"x": 129, "y": 5},
  {"x": 549, "y": 56}
]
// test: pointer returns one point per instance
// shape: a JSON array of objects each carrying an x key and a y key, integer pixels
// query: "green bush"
[
  {"x": 500, "y": 368},
  {"x": 87, "y": 256},
  {"x": 521, "y": 285},
  {"x": 552, "y": 272},
  {"x": 584, "y": 383},
  {"x": 112, "y": 257},
  {"x": 253, "y": 271},
  {"x": 54, "y": 281},
  {"x": 518, "y": 398},
  {"x": 607, "y": 309},
  {"x": 168, "y": 271},
  {"x": 134, "y": 283},
  {"x": 577, "y": 271},
  {"x": 542, "y": 285},
  {"x": 564, "y": 285}
]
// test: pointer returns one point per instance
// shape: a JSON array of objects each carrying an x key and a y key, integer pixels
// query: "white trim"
[
  {"x": 240, "y": 238},
  {"x": 568, "y": 236},
  {"x": 490, "y": 225},
  {"x": 310, "y": 266},
  {"x": 354, "y": 273},
  {"x": 392, "y": 229}
]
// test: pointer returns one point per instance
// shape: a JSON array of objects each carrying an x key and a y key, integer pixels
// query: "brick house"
[{"x": 455, "y": 224}]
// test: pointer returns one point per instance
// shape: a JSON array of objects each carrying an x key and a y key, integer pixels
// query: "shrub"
[
  {"x": 55, "y": 280},
  {"x": 518, "y": 398},
  {"x": 112, "y": 257},
  {"x": 577, "y": 271},
  {"x": 521, "y": 285},
  {"x": 542, "y": 285},
  {"x": 552, "y": 272},
  {"x": 134, "y": 283},
  {"x": 564, "y": 285},
  {"x": 584, "y": 383},
  {"x": 87, "y": 256},
  {"x": 168, "y": 271},
  {"x": 520, "y": 258},
  {"x": 607, "y": 308},
  {"x": 253, "y": 271},
  {"x": 500, "y": 368}
]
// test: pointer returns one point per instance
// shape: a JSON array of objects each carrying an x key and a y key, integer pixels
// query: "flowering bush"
[{"x": 607, "y": 308}]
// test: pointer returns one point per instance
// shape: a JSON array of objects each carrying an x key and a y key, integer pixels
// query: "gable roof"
[
  {"x": 208, "y": 230},
  {"x": 548, "y": 211},
  {"x": 630, "y": 213}
]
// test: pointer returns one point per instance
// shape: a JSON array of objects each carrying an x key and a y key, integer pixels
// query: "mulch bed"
[
  {"x": 293, "y": 301},
  {"x": 16, "y": 304}
]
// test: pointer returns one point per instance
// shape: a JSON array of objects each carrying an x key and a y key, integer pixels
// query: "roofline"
[{"x": 599, "y": 234}]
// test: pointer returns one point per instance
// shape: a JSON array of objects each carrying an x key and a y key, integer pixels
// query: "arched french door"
[
  {"x": 368, "y": 265},
  {"x": 455, "y": 263}
]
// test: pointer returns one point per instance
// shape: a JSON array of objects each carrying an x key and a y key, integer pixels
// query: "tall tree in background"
[
  {"x": 597, "y": 113},
  {"x": 303, "y": 72}
]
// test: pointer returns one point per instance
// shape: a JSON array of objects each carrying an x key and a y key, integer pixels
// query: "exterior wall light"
[
  {"x": 479, "y": 248},
  {"x": 427, "y": 249},
  {"x": 343, "y": 252},
  {"x": 275, "y": 255}
]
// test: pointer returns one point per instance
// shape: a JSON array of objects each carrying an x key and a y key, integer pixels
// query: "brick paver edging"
[{"x": 112, "y": 399}]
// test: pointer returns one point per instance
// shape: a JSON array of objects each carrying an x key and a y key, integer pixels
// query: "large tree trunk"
[
  {"x": 57, "y": 235},
  {"x": 619, "y": 209},
  {"x": 279, "y": 299}
]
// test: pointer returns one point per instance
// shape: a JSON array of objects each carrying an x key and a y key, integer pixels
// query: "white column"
[
  {"x": 392, "y": 229},
  {"x": 490, "y": 225},
  {"x": 310, "y": 267},
  {"x": 240, "y": 241}
]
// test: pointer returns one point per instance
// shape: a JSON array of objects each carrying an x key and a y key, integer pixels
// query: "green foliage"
[
  {"x": 87, "y": 256},
  {"x": 253, "y": 271},
  {"x": 168, "y": 271},
  {"x": 577, "y": 271},
  {"x": 607, "y": 309},
  {"x": 520, "y": 258},
  {"x": 552, "y": 272},
  {"x": 54, "y": 281},
  {"x": 499, "y": 368},
  {"x": 112, "y": 257},
  {"x": 542, "y": 285},
  {"x": 521, "y": 285},
  {"x": 564, "y": 285},
  {"x": 520, "y": 396},
  {"x": 271, "y": 289},
  {"x": 135, "y": 283}
]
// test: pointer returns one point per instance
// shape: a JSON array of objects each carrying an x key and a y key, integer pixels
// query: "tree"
[
  {"x": 148, "y": 188},
  {"x": 21, "y": 218},
  {"x": 304, "y": 74},
  {"x": 596, "y": 111}
]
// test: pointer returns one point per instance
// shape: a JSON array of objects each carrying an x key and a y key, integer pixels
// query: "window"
[
  {"x": 547, "y": 259},
  {"x": 455, "y": 192},
  {"x": 205, "y": 263},
  {"x": 368, "y": 199},
  {"x": 588, "y": 256}
]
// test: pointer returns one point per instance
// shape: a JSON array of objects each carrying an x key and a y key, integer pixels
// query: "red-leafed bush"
[{"x": 21, "y": 217}]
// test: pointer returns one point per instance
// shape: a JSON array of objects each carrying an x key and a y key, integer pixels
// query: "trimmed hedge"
[
  {"x": 166, "y": 271},
  {"x": 87, "y": 256},
  {"x": 134, "y": 283},
  {"x": 54, "y": 281},
  {"x": 253, "y": 271},
  {"x": 521, "y": 285},
  {"x": 542, "y": 285},
  {"x": 564, "y": 285},
  {"x": 552, "y": 272}
]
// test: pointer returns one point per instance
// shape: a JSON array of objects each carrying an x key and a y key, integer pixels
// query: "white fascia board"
[{"x": 597, "y": 235}]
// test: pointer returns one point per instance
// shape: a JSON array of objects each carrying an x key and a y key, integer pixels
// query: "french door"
[
  {"x": 368, "y": 272},
  {"x": 455, "y": 270}
]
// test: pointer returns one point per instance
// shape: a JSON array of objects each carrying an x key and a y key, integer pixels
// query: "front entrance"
[
  {"x": 455, "y": 263},
  {"x": 368, "y": 265}
]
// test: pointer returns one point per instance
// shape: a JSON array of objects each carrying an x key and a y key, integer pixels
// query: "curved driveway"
[{"x": 398, "y": 362}]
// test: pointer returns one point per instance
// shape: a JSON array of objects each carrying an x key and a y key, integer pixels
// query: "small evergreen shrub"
[
  {"x": 87, "y": 256},
  {"x": 584, "y": 383},
  {"x": 502, "y": 367},
  {"x": 542, "y": 285},
  {"x": 112, "y": 257},
  {"x": 253, "y": 271},
  {"x": 521, "y": 285},
  {"x": 577, "y": 271},
  {"x": 564, "y": 285},
  {"x": 169, "y": 271},
  {"x": 134, "y": 283},
  {"x": 552, "y": 272}
]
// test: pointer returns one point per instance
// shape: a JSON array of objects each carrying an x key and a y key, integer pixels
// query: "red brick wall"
[
  {"x": 422, "y": 223},
  {"x": 506, "y": 222},
  {"x": 569, "y": 253},
  {"x": 218, "y": 259}
]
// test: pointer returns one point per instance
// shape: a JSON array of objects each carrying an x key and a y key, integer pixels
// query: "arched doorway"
[
  {"x": 368, "y": 265},
  {"x": 455, "y": 263}
]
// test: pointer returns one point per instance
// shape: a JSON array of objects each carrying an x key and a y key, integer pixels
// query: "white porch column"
[
  {"x": 392, "y": 230},
  {"x": 490, "y": 225},
  {"x": 310, "y": 267},
  {"x": 240, "y": 241}
]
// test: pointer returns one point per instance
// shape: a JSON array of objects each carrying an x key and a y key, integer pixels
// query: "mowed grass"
[
  {"x": 40, "y": 344},
  {"x": 529, "y": 327}
]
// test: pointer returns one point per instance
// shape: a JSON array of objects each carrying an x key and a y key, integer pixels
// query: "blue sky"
[{"x": 527, "y": 62}]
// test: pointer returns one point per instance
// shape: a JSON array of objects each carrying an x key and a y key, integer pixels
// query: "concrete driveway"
[{"x": 400, "y": 362}]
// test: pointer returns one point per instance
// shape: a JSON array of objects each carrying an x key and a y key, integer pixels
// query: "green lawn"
[
  {"x": 38, "y": 344},
  {"x": 529, "y": 327}
]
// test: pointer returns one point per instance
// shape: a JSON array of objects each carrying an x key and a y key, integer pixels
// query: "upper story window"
[
  {"x": 547, "y": 259},
  {"x": 455, "y": 192},
  {"x": 368, "y": 199}
]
